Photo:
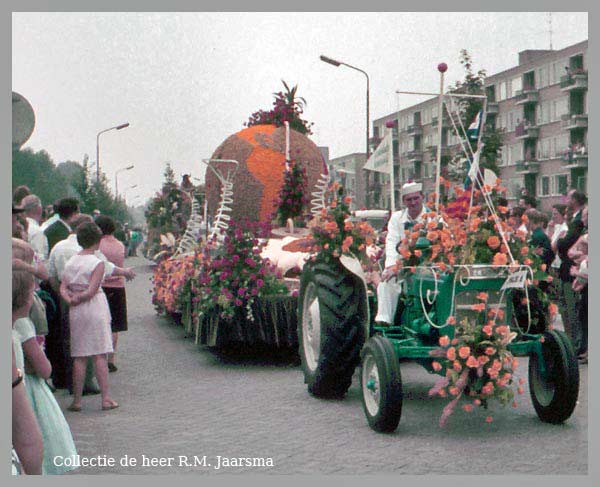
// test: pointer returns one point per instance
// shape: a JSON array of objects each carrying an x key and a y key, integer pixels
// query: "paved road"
[{"x": 178, "y": 400}]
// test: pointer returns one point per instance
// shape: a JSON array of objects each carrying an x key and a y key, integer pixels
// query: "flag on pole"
[
  {"x": 380, "y": 159},
  {"x": 475, "y": 127}
]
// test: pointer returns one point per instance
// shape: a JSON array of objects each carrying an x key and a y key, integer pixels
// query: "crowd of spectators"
[
  {"x": 562, "y": 242},
  {"x": 63, "y": 288}
]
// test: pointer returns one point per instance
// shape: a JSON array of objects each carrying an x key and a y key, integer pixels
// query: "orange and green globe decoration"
[{"x": 260, "y": 152}]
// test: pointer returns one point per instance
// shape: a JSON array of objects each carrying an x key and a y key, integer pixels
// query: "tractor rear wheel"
[
  {"x": 554, "y": 385},
  {"x": 381, "y": 385},
  {"x": 331, "y": 328}
]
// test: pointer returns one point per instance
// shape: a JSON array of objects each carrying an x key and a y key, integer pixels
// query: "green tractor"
[{"x": 336, "y": 335}]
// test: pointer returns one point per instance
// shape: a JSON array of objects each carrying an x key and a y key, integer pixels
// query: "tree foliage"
[
  {"x": 287, "y": 107},
  {"x": 37, "y": 171},
  {"x": 474, "y": 84}
]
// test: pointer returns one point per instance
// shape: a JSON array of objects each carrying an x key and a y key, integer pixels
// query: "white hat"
[{"x": 411, "y": 187}]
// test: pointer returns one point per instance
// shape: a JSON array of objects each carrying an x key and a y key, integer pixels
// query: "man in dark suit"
[
  {"x": 67, "y": 209},
  {"x": 568, "y": 298},
  {"x": 539, "y": 240}
]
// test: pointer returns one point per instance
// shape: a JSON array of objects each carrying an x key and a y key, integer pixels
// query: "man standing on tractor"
[{"x": 390, "y": 287}]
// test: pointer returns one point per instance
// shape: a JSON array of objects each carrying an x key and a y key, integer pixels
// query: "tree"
[
  {"x": 474, "y": 84},
  {"x": 287, "y": 107},
  {"x": 37, "y": 171}
]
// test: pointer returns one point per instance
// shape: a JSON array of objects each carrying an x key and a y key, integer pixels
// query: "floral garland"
[
  {"x": 292, "y": 198},
  {"x": 476, "y": 363},
  {"x": 170, "y": 279}
]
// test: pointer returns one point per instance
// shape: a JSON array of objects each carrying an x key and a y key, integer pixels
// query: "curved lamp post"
[
  {"x": 116, "y": 127},
  {"x": 116, "y": 182},
  {"x": 335, "y": 63}
]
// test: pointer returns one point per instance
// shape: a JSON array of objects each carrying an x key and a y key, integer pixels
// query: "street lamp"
[
  {"x": 116, "y": 127},
  {"x": 335, "y": 63},
  {"x": 116, "y": 183},
  {"x": 125, "y": 193}
]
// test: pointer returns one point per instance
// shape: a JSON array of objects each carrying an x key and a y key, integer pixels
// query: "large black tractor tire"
[
  {"x": 381, "y": 385},
  {"x": 554, "y": 391},
  {"x": 331, "y": 327}
]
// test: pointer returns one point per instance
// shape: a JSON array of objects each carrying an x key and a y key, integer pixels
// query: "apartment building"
[
  {"x": 348, "y": 171},
  {"x": 541, "y": 105}
]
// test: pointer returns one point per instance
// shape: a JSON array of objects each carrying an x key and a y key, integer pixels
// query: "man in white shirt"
[
  {"x": 35, "y": 235},
  {"x": 390, "y": 287}
]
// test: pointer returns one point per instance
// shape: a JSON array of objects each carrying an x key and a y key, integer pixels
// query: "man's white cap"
[{"x": 412, "y": 187}]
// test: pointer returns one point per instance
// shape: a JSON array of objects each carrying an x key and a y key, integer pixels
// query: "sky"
[{"x": 187, "y": 81}]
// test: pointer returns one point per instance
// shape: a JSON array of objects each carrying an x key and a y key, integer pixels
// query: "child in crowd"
[
  {"x": 56, "y": 434},
  {"x": 89, "y": 314}
]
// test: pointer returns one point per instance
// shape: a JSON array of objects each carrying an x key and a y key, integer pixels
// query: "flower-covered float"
[{"x": 233, "y": 284}]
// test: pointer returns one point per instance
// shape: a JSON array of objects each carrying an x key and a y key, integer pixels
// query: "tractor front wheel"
[
  {"x": 554, "y": 380},
  {"x": 381, "y": 385}
]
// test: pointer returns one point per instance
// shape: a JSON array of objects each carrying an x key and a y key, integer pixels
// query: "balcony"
[
  {"x": 527, "y": 131},
  {"x": 492, "y": 108},
  {"x": 414, "y": 155},
  {"x": 530, "y": 166},
  {"x": 415, "y": 129},
  {"x": 527, "y": 95},
  {"x": 578, "y": 80},
  {"x": 574, "y": 121},
  {"x": 433, "y": 150},
  {"x": 575, "y": 158}
]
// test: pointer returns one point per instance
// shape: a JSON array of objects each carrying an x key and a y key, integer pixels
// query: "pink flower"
[{"x": 464, "y": 352}]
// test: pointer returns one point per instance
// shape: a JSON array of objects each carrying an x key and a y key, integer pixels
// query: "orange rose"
[
  {"x": 472, "y": 362},
  {"x": 493, "y": 242},
  {"x": 500, "y": 259},
  {"x": 451, "y": 354},
  {"x": 436, "y": 366},
  {"x": 464, "y": 352},
  {"x": 468, "y": 408},
  {"x": 444, "y": 341}
]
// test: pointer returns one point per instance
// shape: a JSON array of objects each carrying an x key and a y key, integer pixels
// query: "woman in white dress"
[{"x": 89, "y": 314}]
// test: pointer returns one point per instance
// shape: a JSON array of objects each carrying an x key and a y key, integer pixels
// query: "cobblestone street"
[{"x": 180, "y": 400}]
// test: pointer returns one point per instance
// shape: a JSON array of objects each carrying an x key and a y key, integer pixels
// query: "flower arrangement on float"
[
  {"x": 221, "y": 279},
  {"x": 292, "y": 198},
  {"x": 234, "y": 275},
  {"x": 333, "y": 233}
]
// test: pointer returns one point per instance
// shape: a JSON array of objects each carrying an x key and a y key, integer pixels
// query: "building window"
[
  {"x": 554, "y": 185},
  {"x": 581, "y": 183},
  {"x": 502, "y": 95},
  {"x": 516, "y": 85}
]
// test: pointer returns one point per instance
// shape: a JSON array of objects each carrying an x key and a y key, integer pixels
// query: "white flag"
[
  {"x": 380, "y": 159},
  {"x": 474, "y": 166}
]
